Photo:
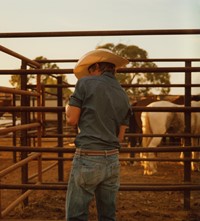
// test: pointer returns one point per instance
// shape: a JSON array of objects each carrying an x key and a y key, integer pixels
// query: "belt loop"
[
  {"x": 78, "y": 152},
  {"x": 106, "y": 153}
]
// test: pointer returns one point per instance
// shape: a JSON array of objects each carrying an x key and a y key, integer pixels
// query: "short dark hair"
[{"x": 103, "y": 66}]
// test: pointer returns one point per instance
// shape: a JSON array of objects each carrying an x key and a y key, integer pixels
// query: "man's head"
[
  {"x": 99, "y": 68},
  {"x": 97, "y": 61}
]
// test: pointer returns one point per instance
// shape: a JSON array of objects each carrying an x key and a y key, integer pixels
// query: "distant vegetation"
[{"x": 134, "y": 52}]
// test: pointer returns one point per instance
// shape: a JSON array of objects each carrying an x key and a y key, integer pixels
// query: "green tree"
[
  {"x": 134, "y": 52},
  {"x": 45, "y": 78}
]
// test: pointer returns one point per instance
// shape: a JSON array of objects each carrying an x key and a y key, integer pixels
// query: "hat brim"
[{"x": 96, "y": 56}]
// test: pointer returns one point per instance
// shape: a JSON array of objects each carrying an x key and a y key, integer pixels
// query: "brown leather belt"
[{"x": 96, "y": 152}]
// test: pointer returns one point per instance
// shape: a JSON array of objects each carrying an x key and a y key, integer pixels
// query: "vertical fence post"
[
  {"x": 39, "y": 129},
  {"x": 0, "y": 201},
  {"x": 14, "y": 135},
  {"x": 60, "y": 126},
  {"x": 187, "y": 115},
  {"x": 24, "y": 134}
]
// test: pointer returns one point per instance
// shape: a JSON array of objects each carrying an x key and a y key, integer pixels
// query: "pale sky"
[{"x": 89, "y": 15}]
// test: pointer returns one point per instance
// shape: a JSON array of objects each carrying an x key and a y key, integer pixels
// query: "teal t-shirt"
[{"x": 104, "y": 107}]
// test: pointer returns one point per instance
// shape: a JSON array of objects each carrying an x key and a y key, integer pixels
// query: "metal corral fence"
[{"x": 28, "y": 138}]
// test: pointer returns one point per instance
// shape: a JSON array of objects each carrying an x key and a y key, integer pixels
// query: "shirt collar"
[{"x": 108, "y": 74}]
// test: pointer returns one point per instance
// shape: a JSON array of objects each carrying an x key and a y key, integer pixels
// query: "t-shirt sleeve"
[
  {"x": 127, "y": 117},
  {"x": 76, "y": 98}
]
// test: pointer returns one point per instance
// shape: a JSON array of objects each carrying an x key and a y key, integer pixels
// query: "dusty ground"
[{"x": 131, "y": 206}]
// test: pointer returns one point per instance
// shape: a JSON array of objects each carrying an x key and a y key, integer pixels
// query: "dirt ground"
[{"x": 131, "y": 206}]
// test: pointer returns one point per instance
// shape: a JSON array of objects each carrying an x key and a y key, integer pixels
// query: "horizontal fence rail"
[
  {"x": 138, "y": 108},
  {"x": 123, "y": 187},
  {"x": 120, "y": 70},
  {"x": 100, "y": 33},
  {"x": 122, "y": 150},
  {"x": 132, "y": 60}
]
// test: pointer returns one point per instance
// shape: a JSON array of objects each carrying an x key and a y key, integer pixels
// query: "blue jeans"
[{"x": 93, "y": 176}]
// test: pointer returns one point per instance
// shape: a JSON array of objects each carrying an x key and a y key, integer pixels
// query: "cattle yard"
[{"x": 36, "y": 153}]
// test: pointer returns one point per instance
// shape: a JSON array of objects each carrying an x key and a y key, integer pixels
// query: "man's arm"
[
  {"x": 122, "y": 132},
  {"x": 72, "y": 115}
]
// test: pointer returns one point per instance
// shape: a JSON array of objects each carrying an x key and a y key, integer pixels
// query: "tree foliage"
[
  {"x": 134, "y": 52},
  {"x": 46, "y": 79}
]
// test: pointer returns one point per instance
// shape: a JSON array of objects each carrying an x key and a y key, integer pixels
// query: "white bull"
[{"x": 160, "y": 123}]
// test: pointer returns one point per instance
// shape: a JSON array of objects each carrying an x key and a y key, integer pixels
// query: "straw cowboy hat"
[{"x": 96, "y": 56}]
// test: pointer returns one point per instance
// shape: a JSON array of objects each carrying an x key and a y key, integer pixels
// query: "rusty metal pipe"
[
  {"x": 120, "y": 70},
  {"x": 100, "y": 33},
  {"x": 19, "y": 164},
  {"x": 30, "y": 62},
  {"x": 130, "y": 59},
  {"x": 126, "y": 187},
  {"x": 19, "y": 127},
  {"x": 136, "y": 108},
  {"x": 18, "y": 91},
  {"x": 43, "y": 171},
  {"x": 122, "y": 150}
]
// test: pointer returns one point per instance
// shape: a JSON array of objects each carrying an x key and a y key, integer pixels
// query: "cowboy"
[{"x": 100, "y": 108}]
